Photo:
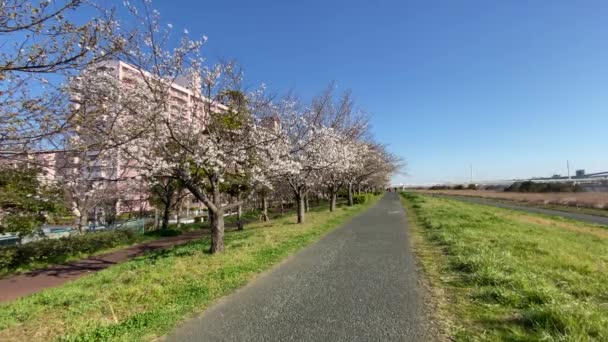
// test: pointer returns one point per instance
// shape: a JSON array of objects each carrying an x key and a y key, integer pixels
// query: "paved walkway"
[
  {"x": 24, "y": 284},
  {"x": 358, "y": 283},
  {"x": 501, "y": 204}
]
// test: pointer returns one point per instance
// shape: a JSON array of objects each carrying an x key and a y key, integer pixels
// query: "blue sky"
[{"x": 514, "y": 87}]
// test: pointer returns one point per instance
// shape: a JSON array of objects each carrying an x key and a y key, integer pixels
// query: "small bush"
[
  {"x": 123, "y": 216},
  {"x": 198, "y": 219},
  {"x": 57, "y": 250},
  {"x": 529, "y": 186},
  {"x": 361, "y": 199}
]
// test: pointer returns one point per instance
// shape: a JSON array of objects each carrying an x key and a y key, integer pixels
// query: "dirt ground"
[{"x": 16, "y": 286}]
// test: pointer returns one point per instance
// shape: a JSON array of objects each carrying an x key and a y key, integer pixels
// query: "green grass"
[
  {"x": 505, "y": 275},
  {"x": 147, "y": 297},
  {"x": 139, "y": 238},
  {"x": 230, "y": 221}
]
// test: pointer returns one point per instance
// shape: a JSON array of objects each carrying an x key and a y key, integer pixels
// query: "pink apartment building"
[{"x": 128, "y": 193}]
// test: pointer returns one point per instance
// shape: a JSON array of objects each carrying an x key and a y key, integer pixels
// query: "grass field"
[
  {"x": 148, "y": 296},
  {"x": 499, "y": 274},
  {"x": 138, "y": 239},
  {"x": 173, "y": 230},
  {"x": 594, "y": 203}
]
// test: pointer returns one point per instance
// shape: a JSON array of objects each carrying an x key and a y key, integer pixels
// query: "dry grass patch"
[{"x": 591, "y": 200}]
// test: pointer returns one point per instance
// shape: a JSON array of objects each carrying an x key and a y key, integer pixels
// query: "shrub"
[
  {"x": 361, "y": 199},
  {"x": 123, "y": 216},
  {"x": 62, "y": 220},
  {"x": 529, "y": 186},
  {"x": 57, "y": 250},
  {"x": 198, "y": 219}
]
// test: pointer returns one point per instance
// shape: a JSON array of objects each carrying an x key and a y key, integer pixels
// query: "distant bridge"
[
  {"x": 589, "y": 178},
  {"x": 598, "y": 174}
]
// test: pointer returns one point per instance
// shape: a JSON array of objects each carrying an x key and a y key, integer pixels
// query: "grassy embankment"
[
  {"x": 504, "y": 275},
  {"x": 148, "y": 296},
  {"x": 592, "y": 203}
]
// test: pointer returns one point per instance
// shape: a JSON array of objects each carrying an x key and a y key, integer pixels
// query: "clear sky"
[{"x": 514, "y": 87}]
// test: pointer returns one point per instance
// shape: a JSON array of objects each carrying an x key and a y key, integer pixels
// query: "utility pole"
[
  {"x": 471, "y": 169},
  {"x": 568, "y": 167}
]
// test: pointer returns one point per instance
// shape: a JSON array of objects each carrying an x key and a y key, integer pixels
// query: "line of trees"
[{"x": 225, "y": 147}]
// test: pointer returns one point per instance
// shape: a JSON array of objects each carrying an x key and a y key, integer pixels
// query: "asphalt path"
[
  {"x": 596, "y": 219},
  {"x": 358, "y": 283}
]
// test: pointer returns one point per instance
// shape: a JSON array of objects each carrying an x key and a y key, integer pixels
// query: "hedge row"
[
  {"x": 57, "y": 250},
  {"x": 361, "y": 199},
  {"x": 529, "y": 186}
]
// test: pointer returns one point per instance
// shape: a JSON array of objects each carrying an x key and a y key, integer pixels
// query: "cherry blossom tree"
[
  {"x": 218, "y": 141},
  {"x": 307, "y": 147},
  {"x": 338, "y": 153},
  {"x": 376, "y": 167},
  {"x": 43, "y": 46},
  {"x": 360, "y": 155},
  {"x": 203, "y": 144}
]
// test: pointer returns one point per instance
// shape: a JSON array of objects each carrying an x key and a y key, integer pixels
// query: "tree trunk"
[
  {"x": 332, "y": 201},
  {"x": 306, "y": 205},
  {"x": 239, "y": 217},
  {"x": 265, "y": 209},
  {"x": 300, "y": 205},
  {"x": 217, "y": 232},
  {"x": 217, "y": 226},
  {"x": 211, "y": 217},
  {"x": 351, "y": 200},
  {"x": 82, "y": 221},
  {"x": 216, "y": 212},
  {"x": 166, "y": 214},
  {"x": 156, "y": 218},
  {"x": 179, "y": 214}
]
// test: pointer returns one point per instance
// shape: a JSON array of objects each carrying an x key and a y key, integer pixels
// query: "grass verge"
[
  {"x": 527, "y": 202},
  {"x": 570, "y": 209},
  {"x": 148, "y": 296},
  {"x": 505, "y": 275},
  {"x": 137, "y": 238},
  {"x": 429, "y": 260}
]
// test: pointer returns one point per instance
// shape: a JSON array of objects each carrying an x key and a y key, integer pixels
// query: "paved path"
[
  {"x": 575, "y": 216},
  {"x": 20, "y": 285},
  {"x": 358, "y": 283}
]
